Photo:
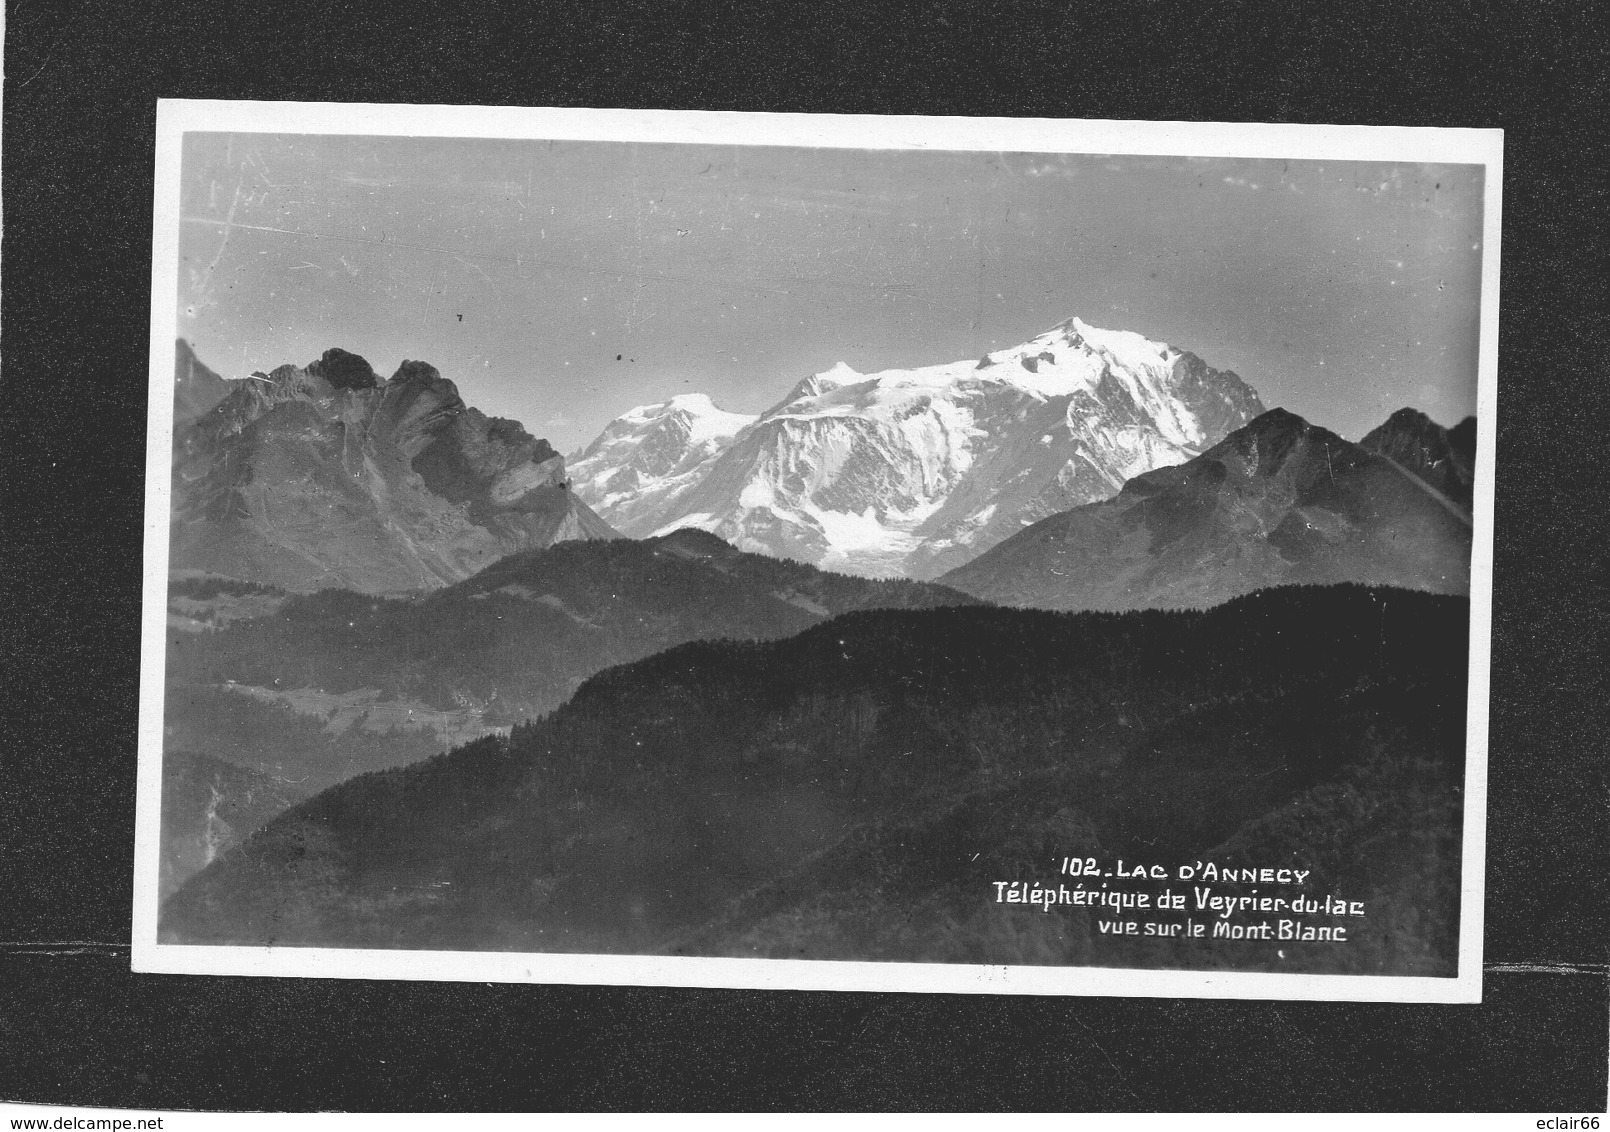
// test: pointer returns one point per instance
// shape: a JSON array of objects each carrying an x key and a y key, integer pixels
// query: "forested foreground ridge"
[{"x": 860, "y": 790}]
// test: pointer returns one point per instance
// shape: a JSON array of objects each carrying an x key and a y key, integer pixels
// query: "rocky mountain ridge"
[
  {"x": 1277, "y": 502},
  {"x": 1442, "y": 458},
  {"x": 328, "y": 476}
]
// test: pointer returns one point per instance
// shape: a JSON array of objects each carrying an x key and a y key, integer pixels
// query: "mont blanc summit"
[{"x": 915, "y": 471}]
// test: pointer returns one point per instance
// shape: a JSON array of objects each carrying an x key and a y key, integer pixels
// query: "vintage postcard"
[{"x": 920, "y": 554}]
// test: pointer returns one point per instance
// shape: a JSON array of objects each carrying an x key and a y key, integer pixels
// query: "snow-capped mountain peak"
[
  {"x": 914, "y": 471},
  {"x": 645, "y": 458}
]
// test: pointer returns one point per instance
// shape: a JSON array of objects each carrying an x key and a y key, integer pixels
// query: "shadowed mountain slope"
[
  {"x": 1278, "y": 502},
  {"x": 1444, "y": 458},
  {"x": 196, "y": 389}
]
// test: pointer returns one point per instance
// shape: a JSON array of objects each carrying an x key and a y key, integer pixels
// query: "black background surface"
[{"x": 79, "y": 113}]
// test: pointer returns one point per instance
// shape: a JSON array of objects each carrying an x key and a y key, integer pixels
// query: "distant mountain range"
[
  {"x": 1084, "y": 469},
  {"x": 857, "y": 791},
  {"x": 721, "y": 747},
  {"x": 325, "y": 475},
  {"x": 1277, "y": 502},
  {"x": 910, "y": 472}
]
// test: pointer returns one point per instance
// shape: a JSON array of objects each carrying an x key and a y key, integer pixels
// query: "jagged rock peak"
[
  {"x": 1406, "y": 422},
  {"x": 325, "y": 475},
  {"x": 1407, "y": 416},
  {"x": 1442, "y": 458},
  {"x": 1277, "y": 421},
  {"x": 344, "y": 370},
  {"x": 1272, "y": 437},
  {"x": 411, "y": 371},
  {"x": 1409, "y": 426}
]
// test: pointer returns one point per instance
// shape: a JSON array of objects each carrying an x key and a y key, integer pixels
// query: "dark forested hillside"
[{"x": 856, "y": 791}]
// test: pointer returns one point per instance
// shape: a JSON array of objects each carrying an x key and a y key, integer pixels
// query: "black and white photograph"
[{"x": 788, "y": 551}]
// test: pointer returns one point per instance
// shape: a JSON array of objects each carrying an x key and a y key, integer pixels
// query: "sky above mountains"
[{"x": 563, "y": 283}]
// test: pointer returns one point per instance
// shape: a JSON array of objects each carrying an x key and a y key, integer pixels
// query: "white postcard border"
[{"x": 1008, "y": 135}]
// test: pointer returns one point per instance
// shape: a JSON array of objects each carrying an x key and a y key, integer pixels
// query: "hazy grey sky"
[{"x": 1339, "y": 290}]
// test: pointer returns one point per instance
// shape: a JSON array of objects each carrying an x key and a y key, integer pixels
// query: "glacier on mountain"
[
  {"x": 645, "y": 460},
  {"x": 914, "y": 471}
]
